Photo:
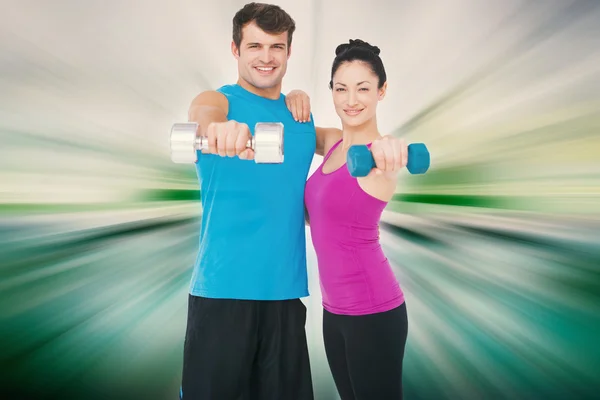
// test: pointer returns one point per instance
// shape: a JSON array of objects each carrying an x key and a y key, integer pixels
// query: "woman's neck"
[{"x": 361, "y": 134}]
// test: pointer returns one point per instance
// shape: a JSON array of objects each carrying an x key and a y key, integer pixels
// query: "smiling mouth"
[
  {"x": 353, "y": 112},
  {"x": 265, "y": 70}
]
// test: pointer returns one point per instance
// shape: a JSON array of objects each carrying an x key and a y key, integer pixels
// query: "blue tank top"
[{"x": 252, "y": 236}]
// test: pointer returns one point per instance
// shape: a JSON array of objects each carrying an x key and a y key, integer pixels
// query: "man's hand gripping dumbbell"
[{"x": 228, "y": 139}]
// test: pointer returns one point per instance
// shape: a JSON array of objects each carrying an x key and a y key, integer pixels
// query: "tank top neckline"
[
  {"x": 327, "y": 158},
  {"x": 255, "y": 97}
]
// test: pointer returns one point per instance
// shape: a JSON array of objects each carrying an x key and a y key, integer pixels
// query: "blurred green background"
[{"x": 497, "y": 247}]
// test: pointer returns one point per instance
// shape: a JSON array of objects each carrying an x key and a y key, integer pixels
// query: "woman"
[{"x": 364, "y": 318}]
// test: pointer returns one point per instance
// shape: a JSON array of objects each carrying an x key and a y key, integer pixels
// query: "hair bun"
[{"x": 356, "y": 43}]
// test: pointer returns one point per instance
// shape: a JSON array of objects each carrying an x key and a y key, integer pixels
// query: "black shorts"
[
  {"x": 246, "y": 349},
  {"x": 365, "y": 353}
]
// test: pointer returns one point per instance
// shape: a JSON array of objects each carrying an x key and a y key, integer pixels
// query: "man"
[{"x": 245, "y": 335}]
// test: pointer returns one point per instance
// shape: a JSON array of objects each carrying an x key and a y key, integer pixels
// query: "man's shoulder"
[
  {"x": 235, "y": 93},
  {"x": 227, "y": 89}
]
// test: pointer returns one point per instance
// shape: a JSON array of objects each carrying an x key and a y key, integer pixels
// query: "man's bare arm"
[{"x": 207, "y": 107}]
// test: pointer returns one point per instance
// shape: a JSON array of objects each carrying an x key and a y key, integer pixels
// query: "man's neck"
[{"x": 272, "y": 93}]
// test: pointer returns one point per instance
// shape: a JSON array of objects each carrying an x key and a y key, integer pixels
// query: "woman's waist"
[
  {"x": 364, "y": 306},
  {"x": 357, "y": 294}
]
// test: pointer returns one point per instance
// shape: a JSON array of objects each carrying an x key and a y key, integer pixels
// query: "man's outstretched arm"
[
  {"x": 224, "y": 137},
  {"x": 207, "y": 107}
]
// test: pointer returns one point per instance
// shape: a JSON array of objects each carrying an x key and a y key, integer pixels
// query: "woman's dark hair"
[{"x": 359, "y": 50}]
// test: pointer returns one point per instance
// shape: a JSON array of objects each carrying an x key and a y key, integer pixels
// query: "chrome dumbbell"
[{"x": 267, "y": 143}]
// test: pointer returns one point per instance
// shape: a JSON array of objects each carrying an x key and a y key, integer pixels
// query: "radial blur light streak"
[{"x": 497, "y": 247}]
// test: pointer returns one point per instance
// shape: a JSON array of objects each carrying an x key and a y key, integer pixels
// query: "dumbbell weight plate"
[
  {"x": 268, "y": 142},
  {"x": 184, "y": 143}
]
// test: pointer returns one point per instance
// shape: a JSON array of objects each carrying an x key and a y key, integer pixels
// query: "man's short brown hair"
[{"x": 268, "y": 17}]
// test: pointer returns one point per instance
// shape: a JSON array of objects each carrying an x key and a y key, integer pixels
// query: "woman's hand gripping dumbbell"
[
  {"x": 390, "y": 156},
  {"x": 228, "y": 139}
]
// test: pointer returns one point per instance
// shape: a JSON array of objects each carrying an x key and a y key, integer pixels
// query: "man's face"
[{"x": 262, "y": 57}]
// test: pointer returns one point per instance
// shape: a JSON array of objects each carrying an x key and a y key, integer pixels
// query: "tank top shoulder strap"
[{"x": 331, "y": 149}]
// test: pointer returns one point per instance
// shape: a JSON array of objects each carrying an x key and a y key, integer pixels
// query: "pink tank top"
[{"x": 355, "y": 275}]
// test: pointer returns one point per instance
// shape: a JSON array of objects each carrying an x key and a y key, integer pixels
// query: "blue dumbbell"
[{"x": 360, "y": 160}]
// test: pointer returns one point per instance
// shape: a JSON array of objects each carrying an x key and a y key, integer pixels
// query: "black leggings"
[{"x": 365, "y": 353}]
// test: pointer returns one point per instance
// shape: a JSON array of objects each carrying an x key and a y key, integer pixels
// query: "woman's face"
[{"x": 355, "y": 93}]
